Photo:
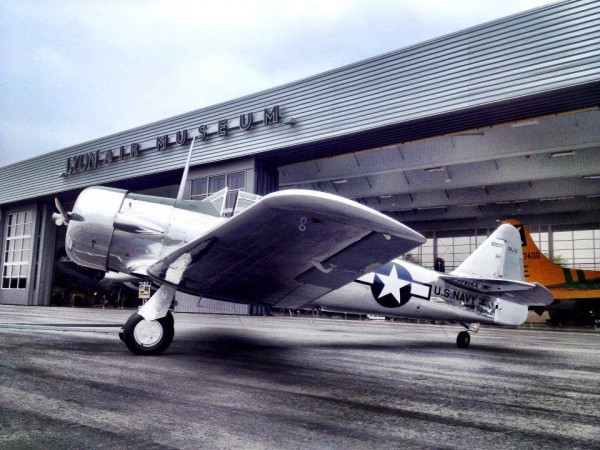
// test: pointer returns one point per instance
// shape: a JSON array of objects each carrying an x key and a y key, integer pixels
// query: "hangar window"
[
  {"x": 235, "y": 182},
  {"x": 578, "y": 249},
  {"x": 17, "y": 249},
  {"x": 423, "y": 255},
  {"x": 456, "y": 246}
]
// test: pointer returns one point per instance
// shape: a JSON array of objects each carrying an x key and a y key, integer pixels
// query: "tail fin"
[
  {"x": 539, "y": 268},
  {"x": 499, "y": 257}
]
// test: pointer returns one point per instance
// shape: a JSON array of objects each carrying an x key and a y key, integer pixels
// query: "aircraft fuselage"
[{"x": 402, "y": 289}]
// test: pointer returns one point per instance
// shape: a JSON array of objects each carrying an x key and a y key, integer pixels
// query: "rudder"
[{"x": 538, "y": 267}]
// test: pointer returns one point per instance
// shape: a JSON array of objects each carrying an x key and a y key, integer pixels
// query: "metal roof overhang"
[{"x": 547, "y": 103}]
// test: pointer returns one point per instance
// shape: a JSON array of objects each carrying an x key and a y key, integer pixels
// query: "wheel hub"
[{"x": 148, "y": 332}]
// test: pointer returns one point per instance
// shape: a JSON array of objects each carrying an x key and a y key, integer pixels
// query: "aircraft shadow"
[{"x": 228, "y": 344}]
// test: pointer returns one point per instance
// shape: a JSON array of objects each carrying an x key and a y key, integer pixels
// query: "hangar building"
[{"x": 448, "y": 136}]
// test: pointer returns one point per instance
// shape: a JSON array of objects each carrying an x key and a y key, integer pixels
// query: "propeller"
[{"x": 61, "y": 217}]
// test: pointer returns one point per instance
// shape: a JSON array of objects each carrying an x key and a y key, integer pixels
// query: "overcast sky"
[{"x": 72, "y": 71}]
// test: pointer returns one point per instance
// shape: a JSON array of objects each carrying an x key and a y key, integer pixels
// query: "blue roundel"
[{"x": 391, "y": 286}]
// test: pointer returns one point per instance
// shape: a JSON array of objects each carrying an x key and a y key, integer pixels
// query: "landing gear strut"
[
  {"x": 148, "y": 337},
  {"x": 463, "y": 339}
]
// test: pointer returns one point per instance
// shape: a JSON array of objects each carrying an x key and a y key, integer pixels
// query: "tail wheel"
[
  {"x": 463, "y": 339},
  {"x": 148, "y": 337}
]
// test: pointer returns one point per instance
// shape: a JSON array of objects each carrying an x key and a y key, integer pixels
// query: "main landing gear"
[
  {"x": 150, "y": 331},
  {"x": 148, "y": 337}
]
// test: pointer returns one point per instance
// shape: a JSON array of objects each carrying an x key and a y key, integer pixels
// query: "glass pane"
[
  {"x": 13, "y": 283},
  {"x": 28, "y": 229},
  {"x": 20, "y": 229},
  {"x": 563, "y": 245},
  {"x": 562, "y": 235},
  {"x": 199, "y": 187},
  {"x": 28, "y": 217},
  {"x": 5, "y": 283},
  {"x": 583, "y": 255},
  {"x": 236, "y": 180},
  {"x": 215, "y": 184},
  {"x": 20, "y": 218},
  {"x": 583, "y": 234},
  {"x": 22, "y": 283},
  {"x": 584, "y": 244},
  {"x": 26, "y": 242}
]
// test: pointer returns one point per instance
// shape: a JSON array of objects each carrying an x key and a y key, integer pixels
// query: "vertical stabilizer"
[
  {"x": 539, "y": 268},
  {"x": 500, "y": 256}
]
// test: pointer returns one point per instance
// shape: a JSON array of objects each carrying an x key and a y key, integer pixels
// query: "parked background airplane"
[{"x": 577, "y": 292}]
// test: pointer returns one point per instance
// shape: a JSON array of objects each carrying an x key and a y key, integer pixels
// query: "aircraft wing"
[
  {"x": 288, "y": 249},
  {"x": 521, "y": 292}
]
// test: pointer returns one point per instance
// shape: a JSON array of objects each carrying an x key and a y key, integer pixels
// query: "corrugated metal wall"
[{"x": 546, "y": 49}]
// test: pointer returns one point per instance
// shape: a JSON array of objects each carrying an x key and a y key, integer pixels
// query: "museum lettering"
[{"x": 93, "y": 160}]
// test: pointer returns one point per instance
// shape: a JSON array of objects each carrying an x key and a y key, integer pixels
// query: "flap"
[{"x": 285, "y": 241}]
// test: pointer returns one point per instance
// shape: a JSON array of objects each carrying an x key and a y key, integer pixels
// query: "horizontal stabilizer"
[
  {"x": 487, "y": 285},
  {"x": 521, "y": 292}
]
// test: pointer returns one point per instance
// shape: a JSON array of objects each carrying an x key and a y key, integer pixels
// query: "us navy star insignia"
[{"x": 392, "y": 284}]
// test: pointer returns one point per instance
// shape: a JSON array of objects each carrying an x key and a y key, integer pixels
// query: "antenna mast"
[{"x": 186, "y": 169}]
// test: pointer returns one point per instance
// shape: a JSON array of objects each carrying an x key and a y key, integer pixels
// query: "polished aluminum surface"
[{"x": 90, "y": 229}]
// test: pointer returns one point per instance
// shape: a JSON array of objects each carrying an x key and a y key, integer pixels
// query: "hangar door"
[{"x": 17, "y": 255}]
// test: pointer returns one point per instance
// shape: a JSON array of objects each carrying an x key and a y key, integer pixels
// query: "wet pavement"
[{"x": 276, "y": 382}]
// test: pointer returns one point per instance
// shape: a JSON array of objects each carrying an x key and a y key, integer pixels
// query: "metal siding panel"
[{"x": 545, "y": 49}]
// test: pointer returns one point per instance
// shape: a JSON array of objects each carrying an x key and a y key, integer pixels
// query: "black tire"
[
  {"x": 148, "y": 337},
  {"x": 463, "y": 339}
]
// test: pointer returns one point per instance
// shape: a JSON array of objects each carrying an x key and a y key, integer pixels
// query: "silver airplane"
[
  {"x": 289, "y": 249},
  {"x": 285, "y": 249}
]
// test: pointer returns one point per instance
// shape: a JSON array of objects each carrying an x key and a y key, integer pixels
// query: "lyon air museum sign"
[{"x": 86, "y": 162}]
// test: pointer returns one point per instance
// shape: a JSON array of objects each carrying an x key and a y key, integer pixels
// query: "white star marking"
[{"x": 392, "y": 284}]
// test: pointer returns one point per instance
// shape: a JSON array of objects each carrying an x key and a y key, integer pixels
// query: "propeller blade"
[{"x": 63, "y": 215}]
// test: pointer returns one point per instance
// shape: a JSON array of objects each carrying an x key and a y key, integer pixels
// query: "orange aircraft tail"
[{"x": 565, "y": 283}]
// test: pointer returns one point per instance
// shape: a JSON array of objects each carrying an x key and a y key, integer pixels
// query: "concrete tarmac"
[{"x": 274, "y": 382}]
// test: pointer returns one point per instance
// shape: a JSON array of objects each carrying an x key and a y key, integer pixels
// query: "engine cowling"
[{"x": 90, "y": 229}]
